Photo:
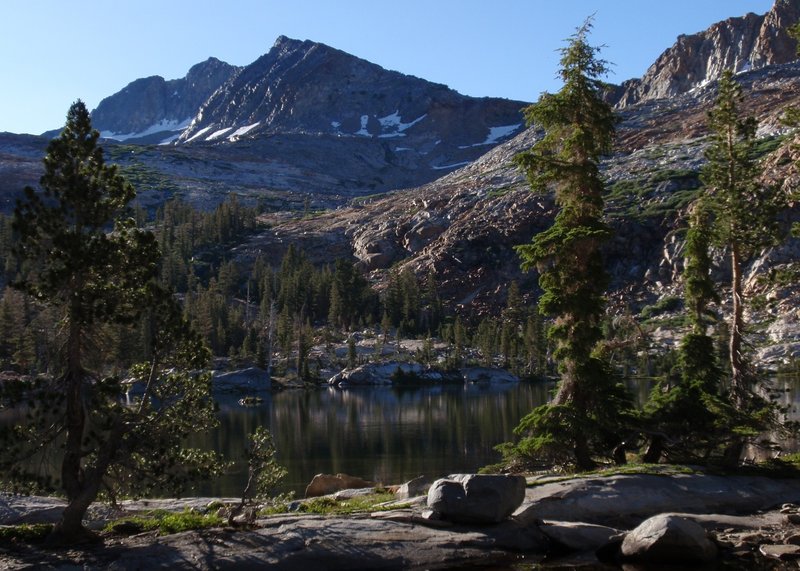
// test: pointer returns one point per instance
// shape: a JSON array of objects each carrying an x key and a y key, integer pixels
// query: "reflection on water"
[{"x": 388, "y": 435}]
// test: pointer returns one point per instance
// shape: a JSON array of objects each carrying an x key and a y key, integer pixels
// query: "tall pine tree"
[
  {"x": 744, "y": 210},
  {"x": 584, "y": 418}
]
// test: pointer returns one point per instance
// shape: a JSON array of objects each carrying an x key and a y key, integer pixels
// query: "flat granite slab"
[
  {"x": 627, "y": 500},
  {"x": 402, "y": 539}
]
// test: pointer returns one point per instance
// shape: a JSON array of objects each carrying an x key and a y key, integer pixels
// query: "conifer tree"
[
  {"x": 88, "y": 261},
  {"x": 587, "y": 411},
  {"x": 744, "y": 210},
  {"x": 687, "y": 415}
]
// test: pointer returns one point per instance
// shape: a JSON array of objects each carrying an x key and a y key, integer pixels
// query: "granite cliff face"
[
  {"x": 741, "y": 44},
  {"x": 153, "y": 109}
]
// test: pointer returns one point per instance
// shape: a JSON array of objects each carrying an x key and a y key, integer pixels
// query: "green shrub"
[
  {"x": 327, "y": 505},
  {"x": 666, "y": 304}
]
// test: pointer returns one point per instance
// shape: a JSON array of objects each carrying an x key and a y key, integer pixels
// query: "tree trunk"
[
  {"x": 69, "y": 529},
  {"x": 75, "y": 421},
  {"x": 569, "y": 393},
  {"x": 583, "y": 454},
  {"x": 738, "y": 381},
  {"x": 654, "y": 450}
]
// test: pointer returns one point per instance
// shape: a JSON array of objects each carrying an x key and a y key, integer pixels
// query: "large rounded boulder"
[{"x": 476, "y": 498}]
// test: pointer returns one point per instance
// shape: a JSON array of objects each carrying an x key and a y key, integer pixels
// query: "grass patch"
[
  {"x": 327, "y": 505},
  {"x": 25, "y": 533},
  {"x": 166, "y": 523},
  {"x": 639, "y": 198},
  {"x": 767, "y": 145},
  {"x": 643, "y": 469},
  {"x": 498, "y": 192}
]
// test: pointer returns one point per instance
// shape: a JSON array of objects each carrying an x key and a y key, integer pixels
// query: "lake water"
[
  {"x": 387, "y": 435},
  {"x": 390, "y": 435}
]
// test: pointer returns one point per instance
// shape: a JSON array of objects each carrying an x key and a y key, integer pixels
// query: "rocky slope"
[
  {"x": 306, "y": 121},
  {"x": 740, "y": 44},
  {"x": 464, "y": 226}
]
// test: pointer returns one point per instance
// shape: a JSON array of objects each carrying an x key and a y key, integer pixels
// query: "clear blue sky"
[{"x": 56, "y": 51}]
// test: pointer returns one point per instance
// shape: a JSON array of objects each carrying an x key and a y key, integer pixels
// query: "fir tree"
[
  {"x": 744, "y": 210},
  {"x": 687, "y": 414},
  {"x": 586, "y": 414}
]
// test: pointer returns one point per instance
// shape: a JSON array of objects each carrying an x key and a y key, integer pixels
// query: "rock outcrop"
[
  {"x": 740, "y": 44},
  {"x": 324, "y": 484},
  {"x": 251, "y": 380},
  {"x": 626, "y": 501}
]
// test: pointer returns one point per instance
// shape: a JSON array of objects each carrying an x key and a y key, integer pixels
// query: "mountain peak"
[
  {"x": 742, "y": 43},
  {"x": 152, "y": 109},
  {"x": 301, "y": 86}
]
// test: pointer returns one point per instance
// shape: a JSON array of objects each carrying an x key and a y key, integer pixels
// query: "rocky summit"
[
  {"x": 740, "y": 44},
  {"x": 155, "y": 110}
]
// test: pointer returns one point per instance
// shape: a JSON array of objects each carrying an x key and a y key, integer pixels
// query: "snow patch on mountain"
[
  {"x": 241, "y": 131},
  {"x": 495, "y": 134},
  {"x": 161, "y": 126},
  {"x": 454, "y": 165},
  {"x": 394, "y": 122},
  {"x": 199, "y": 134},
  {"x": 363, "y": 131},
  {"x": 218, "y": 134}
]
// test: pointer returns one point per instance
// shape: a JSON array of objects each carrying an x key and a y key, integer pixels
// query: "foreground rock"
[
  {"x": 403, "y": 538},
  {"x": 301, "y": 542},
  {"x": 578, "y": 537},
  {"x": 626, "y": 501},
  {"x": 325, "y": 484},
  {"x": 668, "y": 538},
  {"x": 471, "y": 498}
]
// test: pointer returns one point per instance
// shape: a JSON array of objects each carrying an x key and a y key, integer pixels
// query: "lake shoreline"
[{"x": 742, "y": 514}]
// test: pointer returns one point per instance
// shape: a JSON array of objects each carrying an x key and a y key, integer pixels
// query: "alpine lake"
[{"x": 390, "y": 435}]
